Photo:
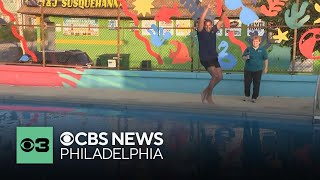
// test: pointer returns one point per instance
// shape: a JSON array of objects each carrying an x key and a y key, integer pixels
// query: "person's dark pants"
[{"x": 249, "y": 77}]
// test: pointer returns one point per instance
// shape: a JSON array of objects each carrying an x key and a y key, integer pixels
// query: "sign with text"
[
  {"x": 183, "y": 24},
  {"x": 256, "y": 27},
  {"x": 80, "y": 26},
  {"x": 74, "y": 3},
  {"x": 147, "y": 24},
  {"x": 167, "y": 26},
  {"x": 235, "y": 26}
]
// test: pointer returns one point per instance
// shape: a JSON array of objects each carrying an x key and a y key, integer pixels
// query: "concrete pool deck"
[{"x": 185, "y": 102}]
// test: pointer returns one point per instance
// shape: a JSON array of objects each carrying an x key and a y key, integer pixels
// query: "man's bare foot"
[
  {"x": 209, "y": 99},
  {"x": 203, "y": 95}
]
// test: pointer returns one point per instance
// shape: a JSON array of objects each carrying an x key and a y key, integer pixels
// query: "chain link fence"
[{"x": 113, "y": 41}]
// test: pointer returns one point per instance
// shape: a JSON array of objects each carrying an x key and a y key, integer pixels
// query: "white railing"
[{"x": 316, "y": 103}]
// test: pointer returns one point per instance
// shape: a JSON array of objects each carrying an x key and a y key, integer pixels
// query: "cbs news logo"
[{"x": 34, "y": 145}]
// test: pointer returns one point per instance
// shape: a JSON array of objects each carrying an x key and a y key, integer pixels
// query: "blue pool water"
[{"x": 196, "y": 145}]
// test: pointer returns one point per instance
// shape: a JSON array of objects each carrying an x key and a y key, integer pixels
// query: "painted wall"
[
  {"x": 279, "y": 60},
  {"x": 106, "y": 42},
  {"x": 180, "y": 82}
]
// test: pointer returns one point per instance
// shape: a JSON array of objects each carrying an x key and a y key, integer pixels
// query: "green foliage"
[
  {"x": 6, "y": 35},
  {"x": 30, "y": 35},
  {"x": 316, "y": 65}
]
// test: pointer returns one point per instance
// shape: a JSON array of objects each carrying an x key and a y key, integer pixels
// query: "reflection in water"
[{"x": 196, "y": 146}]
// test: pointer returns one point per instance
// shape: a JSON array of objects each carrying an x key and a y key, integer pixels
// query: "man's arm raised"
[{"x": 203, "y": 16}]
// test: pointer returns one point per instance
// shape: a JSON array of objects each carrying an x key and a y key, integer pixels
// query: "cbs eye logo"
[
  {"x": 66, "y": 138},
  {"x": 40, "y": 145}
]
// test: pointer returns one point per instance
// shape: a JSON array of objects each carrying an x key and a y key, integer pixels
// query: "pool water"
[{"x": 196, "y": 145}]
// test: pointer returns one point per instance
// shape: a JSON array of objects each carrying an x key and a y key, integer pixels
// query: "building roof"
[
  {"x": 87, "y": 12},
  {"x": 113, "y": 12}
]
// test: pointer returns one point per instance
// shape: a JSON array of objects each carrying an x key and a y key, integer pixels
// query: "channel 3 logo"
[
  {"x": 28, "y": 145},
  {"x": 34, "y": 145}
]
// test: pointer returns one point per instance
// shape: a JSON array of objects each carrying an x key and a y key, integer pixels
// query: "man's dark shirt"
[{"x": 207, "y": 43}]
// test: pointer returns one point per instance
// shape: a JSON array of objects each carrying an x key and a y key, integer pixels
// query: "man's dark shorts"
[{"x": 213, "y": 61}]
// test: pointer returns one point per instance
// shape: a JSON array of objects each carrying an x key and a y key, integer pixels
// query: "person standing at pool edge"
[
  {"x": 208, "y": 52},
  {"x": 256, "y": 62}
]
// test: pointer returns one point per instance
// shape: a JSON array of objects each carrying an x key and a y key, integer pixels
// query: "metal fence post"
[
  {"x": 294, "y": 50},
  {"x": 118, "y": 39},
  {"x": 192, "y": 49},
  {"x": 42, "y": 36}
]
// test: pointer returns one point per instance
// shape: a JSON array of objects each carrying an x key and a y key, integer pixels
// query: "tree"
[{"x": 6, "y": 35}]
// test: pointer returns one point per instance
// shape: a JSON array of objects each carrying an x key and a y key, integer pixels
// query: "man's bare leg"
[{"x": 216, "y": 77}]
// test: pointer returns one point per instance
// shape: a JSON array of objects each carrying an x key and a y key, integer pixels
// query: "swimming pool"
[{"x": 197, "y": 145}]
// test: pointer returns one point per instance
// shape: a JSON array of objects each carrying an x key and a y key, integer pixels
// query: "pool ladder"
[{"x": 316, "y": 103}]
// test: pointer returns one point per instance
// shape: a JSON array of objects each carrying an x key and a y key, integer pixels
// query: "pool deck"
[{"x": 275, "y": 106}]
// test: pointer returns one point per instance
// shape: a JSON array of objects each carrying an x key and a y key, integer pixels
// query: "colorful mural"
[
  {"x": 143, "y": 6},
  {"x": 292, "y": 17},
  {"x": 226, "y": 59},
  {"x": 66, "y": 77},
  {"x": 194, "y": 8},
  {"x": 137, "y": 33},
  {"x": 247, "y": 16},
  {"x": 234, "y": 40},
  {"x": 158, "y": 37},
  {"x": 181, "y": 55},
  {"x": 275, "y": 6},
  {"x": 317, "y": 8},
  {"x": 281, "y": 57},
  {"x": 281, "y": 36},
  {"x": 307, "y": 45},
  {"x": 164, "y": 14},
  {"x": 40, "y": 76}
]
